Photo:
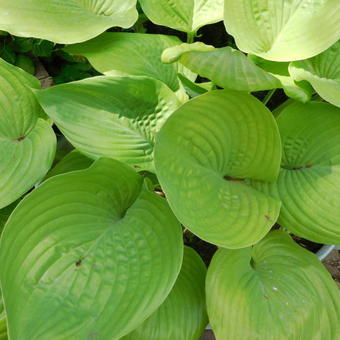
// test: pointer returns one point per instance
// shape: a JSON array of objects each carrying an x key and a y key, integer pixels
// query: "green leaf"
[
  {"x": 93, "y": 252},
  {"x": 226, "y": 67},
  {"x": 323, "y": 72},
  {"x": 187, "y": 16},
  {"x": 3, "y": 326},
  {"x": 282, "y": 30},
  {"x": 183, "y": 314},
  {"x": 65, "y": 21},
  {"x": 74, "y": 160},
  {"x": 115, "y": 117},
  {"x": 134, "y": 54},
  {"x": 309, "y": 180},
  {"x": 203, "y": 153},
  {"x": 5, "y": 213},
  {"x": 27, "y": 142},
  {"x": 274, "y": 290},
  {"x": 300, "y": 91}
]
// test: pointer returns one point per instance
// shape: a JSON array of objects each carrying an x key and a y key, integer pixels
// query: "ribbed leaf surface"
[
  {"x": 274, "y": 290},
  {"x": 116, "y": 117},
  {"x": 27, "y": 142},
  {"x": 203, "y": 155},
  {"x": 283, "y": 30},
  {"x": 323, "y": 72},
  {"x": 309, "y": 180},
  {"x": 183, "y": 314},
  {"x": 88, "y": 254},
  {"x": 65, "y": 21}
]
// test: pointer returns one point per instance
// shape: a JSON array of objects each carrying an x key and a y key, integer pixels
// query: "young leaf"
[
  {"x": 226, "y": 67},
  {"x": 204, "y": 152},
  {"x": 27, "y": 142},
  {"x": 283, "y": 30},
  {"x": 115, "y": 117},
  {"x": 73, "y": 161},
  {"x": 65, "y": 21},
  {"x": 274, "y": 290},
  {"x": 187, "y": 16},
  {"x": 88, "y": 254},
  {"x": 309, "y": 180},
  {"x": 183, "y": 314},
  {"x": 323, "y": 72},
  {"x": 130, "y": 54}
]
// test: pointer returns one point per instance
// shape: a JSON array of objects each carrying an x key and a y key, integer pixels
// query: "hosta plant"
[{"x": 151, "y": 151}]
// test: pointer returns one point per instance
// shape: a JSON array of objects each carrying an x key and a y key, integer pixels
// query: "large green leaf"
[
  {"x": 74, "y": 160},
  {"x": 183, "y": 314},
  {"x": 309, "y": 180},
  {"x": 274, "y": 290},
  {"x": 88, "y": 254},
  {"x": 3, "y": 326},
  {"x": 300, "y": 91},
  {"x": 65, "y": 21},
  {"x": 130, "y": 54},
  {"x": 187, "y": 16},
  {"x": 283, "y": 30},
  {"x": 226, "y": 67},
  {"x": 116, "y": 117},
  {"x": 27, "y": 142},
  {"x": 323, "y": 72},
  {"x": 203, "y": 153}
]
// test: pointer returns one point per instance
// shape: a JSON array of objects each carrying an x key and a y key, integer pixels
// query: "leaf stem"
[
  {"x": 190, "y": 37},
  {"x": 268, "y": 96}
]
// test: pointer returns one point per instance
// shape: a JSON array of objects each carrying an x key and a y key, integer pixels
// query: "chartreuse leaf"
[
  {"x": 300, "y": 91},
  {"x": 92, "y": 251},
  {"x": 183, "y": 314},
  {"x": 309, "y": 180},
  {"x": 282, "y": 30},
  {"x": 74, "y": 160},
  {"x": 274, "y": 290},
  {"x": 323, "y": 72},
  {"x": 27, "y": 142},
  {"x": 65, "y": 21},
  {"x": 203, "y": 155},
  {"x": 116, "y": 117},
  {"x": 134, "y": 54},
  {"x": 226, "y": 67},
  {"x": 187, "y": 16}
]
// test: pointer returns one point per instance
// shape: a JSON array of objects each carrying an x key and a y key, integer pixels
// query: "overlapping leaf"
[
  {"x": 226, "y": 67},
  {"x": 274, "y": 290},
  {"x": 88, "y": 254},
  {"x": 130, "y": 54},
  {"x": 27, "y": 142},
  {"x": 282, "y": 30},
  {"x": 323, "y": 72},
  {"x": 183, "y": 314},
  {"x": 203, "y": 155},
  {"x": 116, "y": 117},
  {"x": 65, "y": 21},
  {"x": 309, "y": 180},
  {"x": 187, "y": 16}
]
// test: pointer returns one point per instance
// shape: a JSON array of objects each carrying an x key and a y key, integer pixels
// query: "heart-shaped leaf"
[
  {"x": 74, "y": 160},
  {"x": 309, "y": 180},
  {"x": 282, "y": 30},
  {"x": 187, "y": 16},
  {"x": 323, "y": 72},
  {"x": 130, "y": 54},
  {"x": 183, "y": 314},
  {"x": 88, "y": 254},
  {"x": 203, "y": 155},
  {"x": 65, "y": 21},
  {"x": 226, "y": 66},
  {"x": 27, "y": 142},
  {"x": 274, "y": 290},
  {"x": 116, "y": 117}
]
